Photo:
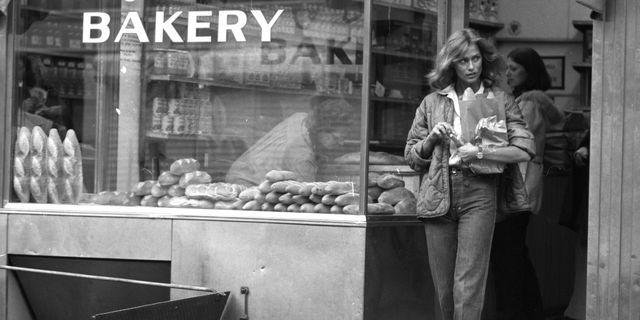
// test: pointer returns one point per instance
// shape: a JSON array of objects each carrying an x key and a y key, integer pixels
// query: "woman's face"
[
  {"x": 516, "y": 74},
  {"x": 469, "y": 66}
]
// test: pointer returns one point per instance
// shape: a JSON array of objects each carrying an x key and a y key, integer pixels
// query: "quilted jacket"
[{"x": 434, "y": 197}]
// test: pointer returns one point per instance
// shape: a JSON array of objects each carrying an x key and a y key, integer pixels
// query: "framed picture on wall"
[{"x": 555, "y": 67}]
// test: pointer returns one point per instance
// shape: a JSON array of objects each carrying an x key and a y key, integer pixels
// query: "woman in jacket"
[
  {"x": 457, "y": 205},
  {"x": 517, "y": 291}
]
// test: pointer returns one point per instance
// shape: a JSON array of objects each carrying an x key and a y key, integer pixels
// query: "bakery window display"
[{"x": 45, "y": 168}]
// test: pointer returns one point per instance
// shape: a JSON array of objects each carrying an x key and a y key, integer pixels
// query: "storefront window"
[
  {"x": 190, "y": 104},
  {"x": 185, "y": 104}
]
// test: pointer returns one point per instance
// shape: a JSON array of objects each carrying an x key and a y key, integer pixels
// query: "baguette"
[{"x": 280, "y": 175}]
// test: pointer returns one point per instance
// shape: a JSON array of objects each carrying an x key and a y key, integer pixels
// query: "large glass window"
[
  {"x": 251, "y": 105},
  {"x": 208, "y": 104}
]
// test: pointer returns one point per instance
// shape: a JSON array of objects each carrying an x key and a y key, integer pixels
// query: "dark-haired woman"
[
  {"x": 517, "y": 291},
  {"x": 457, "y": 204}
]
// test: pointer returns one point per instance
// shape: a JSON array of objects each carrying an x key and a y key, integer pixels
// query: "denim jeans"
[{"x": 459, "y": 245}]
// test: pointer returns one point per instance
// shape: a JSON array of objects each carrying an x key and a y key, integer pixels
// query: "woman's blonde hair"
[{"x": 443, "y": 73}]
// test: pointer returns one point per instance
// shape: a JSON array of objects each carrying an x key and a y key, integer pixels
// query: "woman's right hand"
[{"x": 439, "y": 131}]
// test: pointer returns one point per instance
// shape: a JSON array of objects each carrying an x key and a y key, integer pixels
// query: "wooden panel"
[
  {"x": 292, "y": 271},
  {"x": 613, "y": 272},
  {"x": 88, "y": 237},
  {"x": 629, "y": 276},
  {"x": 3, "y": 261},
  {"x": 593, "y": 261}
]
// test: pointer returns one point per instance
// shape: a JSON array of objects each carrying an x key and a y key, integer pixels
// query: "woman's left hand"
[{"x": 468, "y": 152}]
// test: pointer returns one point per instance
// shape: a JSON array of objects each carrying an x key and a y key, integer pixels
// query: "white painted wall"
[{"x": 546, "y": 26}]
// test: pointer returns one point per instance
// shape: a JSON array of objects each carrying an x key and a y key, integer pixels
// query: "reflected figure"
[
  {"x": 37, "y": 99},
  {"x": 457, "y": 204},
  {"x": 296, "y": 144},
  {"x": 516, "y": 285}
]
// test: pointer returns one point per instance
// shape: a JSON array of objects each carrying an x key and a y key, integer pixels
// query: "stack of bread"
[
  {"x": 282, "y": 191},
  {"x": 183, "y": 186},
  {"x": 22, "y": 164},
  {"x": 390, "y": 195},
  {"x": 45, "y": 168}
]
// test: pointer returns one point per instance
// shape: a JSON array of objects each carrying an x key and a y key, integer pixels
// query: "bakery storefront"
[
  {"x": 255, "y": 147},
  {"x": 215, "y": 144}
]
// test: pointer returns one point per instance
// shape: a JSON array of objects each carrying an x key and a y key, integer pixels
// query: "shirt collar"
[{"x": 450, "y": 91}]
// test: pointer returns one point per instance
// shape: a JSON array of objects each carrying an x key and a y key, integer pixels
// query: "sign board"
[{"x": 210, "y": 306}]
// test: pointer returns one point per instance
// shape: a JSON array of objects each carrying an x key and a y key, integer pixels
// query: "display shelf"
[
  {"x": 400, "y": 54},
  {"x": 179, "y": 137},
  {"x": 75, "y": 97},
  {"x": 486, "y": 25},
  {"x": 409, "y": 82},
  {"x": 403, "y": 7},
  {"x": 582, "y": 66},
  {"x": 583, "y": 25},
  {"x": 64, "y": 52},
  {"x": 239, "y": 86},
  {"x": 68, "y": 14},
  {"x": 396, "y": 100}
]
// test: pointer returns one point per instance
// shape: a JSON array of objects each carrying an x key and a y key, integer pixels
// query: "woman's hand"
[
  {"x": 439, "y": 131},
  {"x": 581, "y": 156},
  {"x": 468, "y": 152}
]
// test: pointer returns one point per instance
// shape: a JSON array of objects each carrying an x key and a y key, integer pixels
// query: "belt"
[{"x": 455, "y": 170}]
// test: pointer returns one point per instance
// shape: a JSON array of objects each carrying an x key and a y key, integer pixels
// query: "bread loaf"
[
  {"x": 282, "y": 186},
  {"x": 389, "y": 181},
  {"x": 266, "y": 207},
  {"x": 329, "y": 199},
  {"x": 182, "y": 166},
  {"x": 158, "y": 190},
  {"x": 395, "y": 195},
  {"x": 321, "y": 208},
  {"x": 280, "y": 207},
  {"x": 307, "y": 207},
  {"x": 21, "y": 164},
  {"x": 280, "y": 175},
  {"x": 336, "y": 209},
  {"x": 294, "y": 207},
  {"x": 21, "y": 187},
  {"x": 406, "y": 206},
  {"x": 72, "y": 154},
  {"x": 265, "y": 187},
  {"x": 347, "y": 199},
  {"x": 299, "y": 199},
  {"x": 252, "y": 206},
  {"x": 166, "y": 178},
  {"x": 175, "y": 191},
  {"x": 23, "y": 142},
  {"x": 214, "y": 191},
  {"x": 372, "y": 209},
  {"x": 149, "y": 201},
  {"x": 286, "y": 198},
  {"x": 249, "y": 194},
  {"x": 143, "y": 188},
  {"x": 374, "y": 192},
  {"x": 39, "y": 179},
  {"x": 315, "y": 198},
  {"x": 194, "y": 177},
  {"x": 337, "y": 188},
  {"x": 306, "y": 189},
  {"x": 272, "y": 197}
]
